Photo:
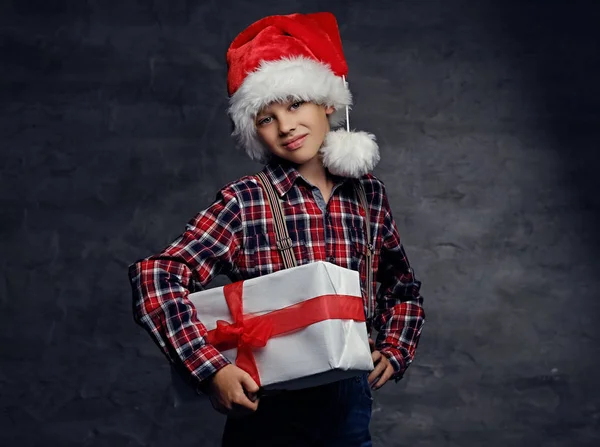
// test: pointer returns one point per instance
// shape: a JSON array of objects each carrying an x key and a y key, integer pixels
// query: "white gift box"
[{"x": 323, "y": 352}]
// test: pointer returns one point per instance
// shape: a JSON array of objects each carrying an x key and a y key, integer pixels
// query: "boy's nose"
[{"x": 286, "y": 124}]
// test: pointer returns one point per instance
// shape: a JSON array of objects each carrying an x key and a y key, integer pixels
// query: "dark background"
[{"x": 114, "y": 134}]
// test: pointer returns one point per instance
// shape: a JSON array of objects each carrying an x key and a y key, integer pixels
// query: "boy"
[{"x": 286, "y": 82}]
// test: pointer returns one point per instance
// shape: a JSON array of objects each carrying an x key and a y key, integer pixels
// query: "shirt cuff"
[
  {"x": 397, "y": 360},
  {"x": 202, "y": 374}
]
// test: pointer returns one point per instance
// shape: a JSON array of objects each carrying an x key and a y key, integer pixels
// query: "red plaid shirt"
[{"x": 235, "y": 237}]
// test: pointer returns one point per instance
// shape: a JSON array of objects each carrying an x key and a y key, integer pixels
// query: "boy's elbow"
[
  {"x": 139, "y": 278},
  {"x": 134, "y": 270}
]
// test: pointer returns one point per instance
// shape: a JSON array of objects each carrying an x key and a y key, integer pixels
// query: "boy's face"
[{"x": 293, "y": 130}]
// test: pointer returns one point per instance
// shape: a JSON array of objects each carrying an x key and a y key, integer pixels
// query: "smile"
[{"x": 295, "y": 143}]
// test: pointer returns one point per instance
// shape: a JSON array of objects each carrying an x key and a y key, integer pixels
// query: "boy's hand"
[
  {"x": 383, "y": 368},
  {"x": 233, "y": 392}
]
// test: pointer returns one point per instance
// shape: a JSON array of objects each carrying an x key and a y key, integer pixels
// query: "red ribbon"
[{"x": 248, "y": 332}]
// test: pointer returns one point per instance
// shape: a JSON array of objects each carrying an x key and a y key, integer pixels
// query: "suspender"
[
  {"x": 362, "y": 196},
  {"x": 284, "y": 242}
]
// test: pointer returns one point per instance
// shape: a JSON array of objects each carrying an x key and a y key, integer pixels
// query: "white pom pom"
[{"x": 350, "y": 154}]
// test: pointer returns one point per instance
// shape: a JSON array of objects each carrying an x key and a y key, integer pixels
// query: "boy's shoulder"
[
  {"x": 241, "y": 187},
  {"x": 372, "y": 184}
]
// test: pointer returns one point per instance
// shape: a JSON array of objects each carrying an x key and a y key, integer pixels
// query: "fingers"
[
  {"x": 233, "y": 391},
  {"x": 249, "y": 384},
  {"x": 382, "y": 372},
  {"x": 372, "y": 344},
  {"x": 243, "y": 405},
  {"x": 376, "y": 356},
  {"x": 250, "y": 387},
  {"x": 387, "y": 374},
  {"x": 245, "y": 397},
  {"x": 379, "y": 368},
  {"x": 237, "y": 404}
]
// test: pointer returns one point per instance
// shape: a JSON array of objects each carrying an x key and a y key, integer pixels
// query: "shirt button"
[{"x": 330, "y": 259}]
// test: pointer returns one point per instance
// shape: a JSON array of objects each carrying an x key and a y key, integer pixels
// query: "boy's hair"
[{"x": 299, "y": 56}]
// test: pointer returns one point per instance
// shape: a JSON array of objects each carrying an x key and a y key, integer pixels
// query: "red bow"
[{"x": 245, "y": 332}]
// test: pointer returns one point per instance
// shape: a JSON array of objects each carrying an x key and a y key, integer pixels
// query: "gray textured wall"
[{"x": 114, "y": 133}]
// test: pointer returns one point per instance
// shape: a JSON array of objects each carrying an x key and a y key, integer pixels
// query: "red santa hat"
[{"x": 296, "y": 56}]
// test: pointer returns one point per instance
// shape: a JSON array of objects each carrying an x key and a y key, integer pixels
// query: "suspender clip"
[{"x": 284, "y": 244}]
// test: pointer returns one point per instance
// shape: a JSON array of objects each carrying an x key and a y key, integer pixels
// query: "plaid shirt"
[{"x": 235, "y": 237}]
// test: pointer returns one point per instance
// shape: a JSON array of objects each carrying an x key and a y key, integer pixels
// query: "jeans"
[{"x": 333, "y": 415}]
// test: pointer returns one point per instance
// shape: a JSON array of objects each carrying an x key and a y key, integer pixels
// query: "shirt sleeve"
[
  {"x": 161, "y": 285},
  {"x": 399, "y": 315}
]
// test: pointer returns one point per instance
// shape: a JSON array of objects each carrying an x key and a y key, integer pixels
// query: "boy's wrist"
[
  {"x": 203, "y": 386},
  {"x": 396, "y": 360},
  {"x": 213, "y": 361}
]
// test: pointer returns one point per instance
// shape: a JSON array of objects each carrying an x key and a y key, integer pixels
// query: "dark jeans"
[{"x": 336, "y": 414}]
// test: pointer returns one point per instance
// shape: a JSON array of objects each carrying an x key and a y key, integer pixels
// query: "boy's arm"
[
  {"x": 161, "y": 285},
  {"x": 400, "y": 316}
]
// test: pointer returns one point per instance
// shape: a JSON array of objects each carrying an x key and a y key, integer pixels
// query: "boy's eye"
[
  {"x": 296, "y": 105},
  {"x": 265, "y": 120}
]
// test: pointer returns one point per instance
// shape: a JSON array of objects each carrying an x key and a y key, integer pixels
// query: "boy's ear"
[{"x": 329, "y": 110}]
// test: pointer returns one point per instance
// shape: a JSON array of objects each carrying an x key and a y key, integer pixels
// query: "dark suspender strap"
[
  {"x": 284, "y": 242},
  {"x": 362, "y": 196}
]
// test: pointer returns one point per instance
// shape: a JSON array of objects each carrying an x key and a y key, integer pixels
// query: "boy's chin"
[
  {"x": 299, "y": 157},
  {"x": 303, "y": 160}
]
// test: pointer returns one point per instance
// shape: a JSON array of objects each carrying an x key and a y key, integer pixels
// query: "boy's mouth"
[{"x": 295, "y": 142}]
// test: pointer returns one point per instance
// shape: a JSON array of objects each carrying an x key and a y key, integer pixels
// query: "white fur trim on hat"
[
  {"x": 350, "y": 154},
  {"x": 296, "y": 77}
]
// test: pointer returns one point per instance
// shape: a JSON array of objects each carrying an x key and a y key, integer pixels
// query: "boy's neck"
[{"x": 314, "y": 172}]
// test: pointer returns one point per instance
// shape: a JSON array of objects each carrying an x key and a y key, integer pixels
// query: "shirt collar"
[{"x": 283, "y": 174}]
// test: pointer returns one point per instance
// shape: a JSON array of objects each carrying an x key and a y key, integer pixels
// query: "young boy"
[{"x": 287, "y": 87}]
